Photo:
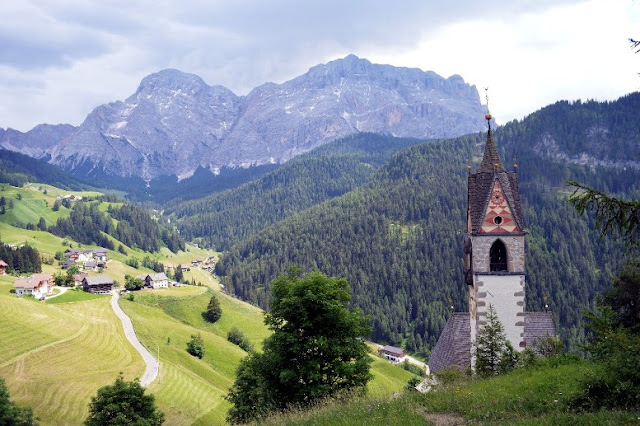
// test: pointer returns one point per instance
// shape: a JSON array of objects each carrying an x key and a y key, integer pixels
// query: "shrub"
[
  {"x": 236, "y": 337},
  {"x": 195, "y": 346}
]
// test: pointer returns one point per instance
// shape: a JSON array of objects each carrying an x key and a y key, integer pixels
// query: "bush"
[
  {"x": 236, "y": 337},
  {"x": 195, "y": 346},
  {"x": 412, "y": 368}
]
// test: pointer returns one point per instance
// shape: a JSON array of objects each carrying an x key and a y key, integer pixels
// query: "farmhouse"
[
  {"x": 77, "y": 278},
  {"x": 3, "y": 267},
  {"x": 100, "y": 284},
  {"x": 38, "y": 285},
  {"x": 158, "y": 280},
  {"x": 393, "y": 354}
]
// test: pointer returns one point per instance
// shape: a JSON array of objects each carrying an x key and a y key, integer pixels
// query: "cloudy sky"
[{"x": 60, "y": 59}]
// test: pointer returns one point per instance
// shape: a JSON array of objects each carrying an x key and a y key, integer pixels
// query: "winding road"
[{"x": 151, "y": 372}]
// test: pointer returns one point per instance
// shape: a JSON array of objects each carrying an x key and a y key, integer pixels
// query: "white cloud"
[{"x": 57, "y": 62}]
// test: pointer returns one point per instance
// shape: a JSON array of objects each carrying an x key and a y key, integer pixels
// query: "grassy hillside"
[
  {"x": 190, "y": 390},
  {"x": 55, "y": 357},
  {"x": 535, "y": 396}
]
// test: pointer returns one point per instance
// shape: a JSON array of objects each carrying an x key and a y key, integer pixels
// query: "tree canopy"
[
  {"x": 10, "y": 413},
  {"x": 316, "y": 349},
  {"x": 123, "y": 403}
]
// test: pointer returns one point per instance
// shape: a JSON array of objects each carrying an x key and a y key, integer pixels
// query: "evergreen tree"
[
  {"x": 214, "y": 311},
  {"x": 494, "y": 355}
]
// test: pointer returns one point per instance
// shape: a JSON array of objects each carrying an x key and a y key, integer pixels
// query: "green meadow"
[{"x": 57, "y": 353}]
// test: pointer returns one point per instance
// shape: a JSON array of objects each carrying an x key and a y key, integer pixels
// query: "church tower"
[
  {"x": 494, "y": 269},
  {"x": 494, "y": 246}
]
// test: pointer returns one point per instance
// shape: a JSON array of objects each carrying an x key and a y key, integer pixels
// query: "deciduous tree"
[
  {"x": 123, "y": 403},
  {"x": 316, "y": 349}
]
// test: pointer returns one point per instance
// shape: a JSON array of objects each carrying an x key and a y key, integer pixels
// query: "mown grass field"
[
  {"x": 190, "y": 390},
  {"x": 55, "y": 356}
]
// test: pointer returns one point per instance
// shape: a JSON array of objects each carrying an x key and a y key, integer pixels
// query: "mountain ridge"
[{"x": 175, "y": 122}]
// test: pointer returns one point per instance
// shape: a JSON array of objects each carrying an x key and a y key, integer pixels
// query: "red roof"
[{"x": 33, "y": 281}]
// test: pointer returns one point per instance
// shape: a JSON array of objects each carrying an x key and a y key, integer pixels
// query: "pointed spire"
[{"x": 491, "y": 160}]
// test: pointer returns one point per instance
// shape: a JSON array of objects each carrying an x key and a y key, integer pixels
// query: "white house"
[
  {"x": 38, "y": 285},
  {"x": 393, "y": 354},
  {"x": 158, "y": 280}
]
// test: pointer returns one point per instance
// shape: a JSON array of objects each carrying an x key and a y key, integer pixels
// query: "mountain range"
[{"x": 175, "y": 123}]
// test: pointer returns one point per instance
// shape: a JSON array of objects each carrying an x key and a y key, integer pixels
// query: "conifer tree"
[
  {"x": 493, "y": 352},
  {"x": 214, "y": 311}
]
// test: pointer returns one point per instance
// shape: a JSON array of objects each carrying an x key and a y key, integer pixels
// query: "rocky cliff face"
[{"x": 175, "y": 122}]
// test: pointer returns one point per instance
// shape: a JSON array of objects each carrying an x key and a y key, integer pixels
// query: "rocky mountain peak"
[{"x": 175, "y": 122}]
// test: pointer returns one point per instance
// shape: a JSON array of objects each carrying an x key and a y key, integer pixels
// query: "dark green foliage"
[
  {"x": 236, "y": 337},
  {"x": 136, "y": 228},
  {"x": 214, "y": 311},
  {"x": 195, "y": 346},
  {"x": 624, "y": 298},
  {"x": 178, "y": 276},
  {"x": 121, "y": 249},
  {"x": 614, "y": 344},
  {"x": 123, "y": 403},
  {"x": 398, "y": 241},
  {"x": 21, "y": 260},
  {"x": 322, "y": 174},
  {"x": 17, "y": 169},
  {"x": 153, "y": 264},
  {"x": 315, "y": 350},
  {"x": 88, "y": 225},
  {"x": 132, "y": 283},
  {"x": 133, "y": 262},
  {"x": 42, "y": 224},
  {"x": 10, "y": 413},
  {"x": 412, "y": 368},
  {"x": 493, "y": 353},
  {"x": 613, "y": 216}
]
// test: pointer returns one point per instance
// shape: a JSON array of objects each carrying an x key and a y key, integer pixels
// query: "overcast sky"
[{"x": 60, "y": 59}]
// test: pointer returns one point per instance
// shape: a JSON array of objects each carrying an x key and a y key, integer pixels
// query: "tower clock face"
[{"x": 497, "y": 197}]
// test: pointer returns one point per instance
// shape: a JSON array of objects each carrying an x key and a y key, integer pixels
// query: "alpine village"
[{"x": 362, "y": 245}]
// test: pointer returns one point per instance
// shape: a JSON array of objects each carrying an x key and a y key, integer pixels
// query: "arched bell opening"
[{"x": 498, "y": 257}]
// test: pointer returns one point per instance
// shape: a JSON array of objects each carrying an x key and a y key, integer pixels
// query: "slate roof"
[
  {"x": 393, "y": 350},
  {"x": 98, "y": 280},
  {"x": 480, "y": 184},
  {"x": 538, "y": 324},
  {"x": 490, "y": 157},
  {"x": 160, "y": 276},
  {"x": 454, "y": 344}
]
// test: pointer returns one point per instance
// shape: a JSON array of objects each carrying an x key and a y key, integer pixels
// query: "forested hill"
[
  {"x": 398, "y": 239},
  {"x": 17, "y": 169},
  {"x": 326, "y": 172}
]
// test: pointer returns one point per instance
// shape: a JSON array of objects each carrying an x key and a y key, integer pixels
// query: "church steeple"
[{"x": 491, "y": 160}]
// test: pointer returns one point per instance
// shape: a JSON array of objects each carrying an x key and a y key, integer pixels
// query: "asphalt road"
[{"x": 151, "y": 372}]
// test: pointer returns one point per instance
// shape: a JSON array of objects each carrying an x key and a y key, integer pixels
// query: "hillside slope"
[{"x": 398, "y": 239}]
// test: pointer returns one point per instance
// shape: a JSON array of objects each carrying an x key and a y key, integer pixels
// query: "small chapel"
[{"x": 494, "y": 266}]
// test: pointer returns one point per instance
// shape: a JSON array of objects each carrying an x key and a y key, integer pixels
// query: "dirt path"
[
  {"x": 151, "y": 372},
  {"x": 442, "y": 419},
  {"x": 63, "y": 290}
]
